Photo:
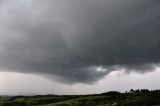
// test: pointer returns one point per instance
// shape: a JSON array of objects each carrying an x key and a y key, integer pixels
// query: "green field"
[{"x": 132, "y": 98}]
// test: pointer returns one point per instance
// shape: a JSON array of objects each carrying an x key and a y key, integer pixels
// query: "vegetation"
[{"x": 141, "y": 97}]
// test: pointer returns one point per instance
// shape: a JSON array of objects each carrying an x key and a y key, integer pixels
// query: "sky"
[{"x": 66, "y": 46}]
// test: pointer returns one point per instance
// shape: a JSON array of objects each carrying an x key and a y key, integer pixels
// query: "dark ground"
[{"x": 141, "y": 97}]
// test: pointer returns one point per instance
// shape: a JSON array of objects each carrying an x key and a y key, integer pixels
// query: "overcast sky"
[{"x": 62, "y": 46}]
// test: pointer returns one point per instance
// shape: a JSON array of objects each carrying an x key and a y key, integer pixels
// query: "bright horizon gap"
[{"x": 19, "y": 84}]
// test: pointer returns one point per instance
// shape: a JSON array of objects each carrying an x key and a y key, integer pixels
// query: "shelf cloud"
[{"x": 78, "y": 40}]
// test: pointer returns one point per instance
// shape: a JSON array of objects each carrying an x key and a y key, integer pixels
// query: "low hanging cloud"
[{"x": 79, "y": 40}]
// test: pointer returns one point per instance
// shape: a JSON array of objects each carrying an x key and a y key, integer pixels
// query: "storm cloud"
[{"x": 78, "y": 40}]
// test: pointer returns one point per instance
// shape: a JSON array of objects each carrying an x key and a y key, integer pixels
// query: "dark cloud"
[{"x": 80, "y": 41}]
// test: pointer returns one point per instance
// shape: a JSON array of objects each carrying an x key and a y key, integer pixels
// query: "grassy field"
[{"x": 131, "y": 98}]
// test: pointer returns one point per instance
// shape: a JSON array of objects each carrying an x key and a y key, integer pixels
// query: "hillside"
[{"x": 142, "y": 97}]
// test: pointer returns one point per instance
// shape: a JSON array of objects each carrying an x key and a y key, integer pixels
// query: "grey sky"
[
  {"x": 79, "y": 41},
  {"x": 29, "y": 84}
]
